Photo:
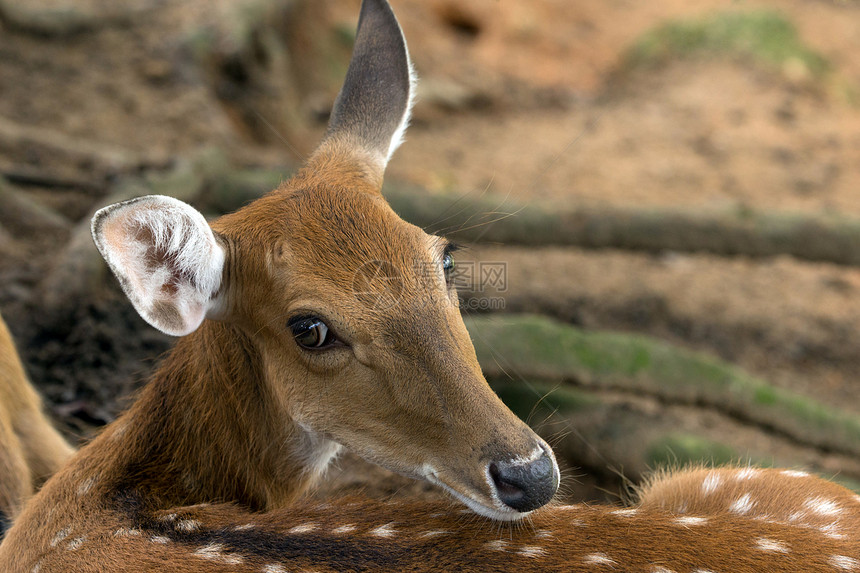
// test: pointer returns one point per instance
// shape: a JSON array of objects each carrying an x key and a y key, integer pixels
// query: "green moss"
[
  {"x": 539, "y": 348},
  {"x": 763, "y": 37},
  {"x": 531, "y": 398},
  {"x": 680, "y": 450}
]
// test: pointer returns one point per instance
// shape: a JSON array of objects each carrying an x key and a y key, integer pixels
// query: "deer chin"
[{"x": 497, "y": 512}]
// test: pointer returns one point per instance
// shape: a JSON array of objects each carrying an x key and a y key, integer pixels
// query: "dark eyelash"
[{"x": 453, "y": 248}]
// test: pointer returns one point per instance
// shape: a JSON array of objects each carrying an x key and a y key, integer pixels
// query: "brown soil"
[{"x": 524, "y": 99}]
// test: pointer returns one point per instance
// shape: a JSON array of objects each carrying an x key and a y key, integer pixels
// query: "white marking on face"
[
  {"x": 531, "y": 551},
  {"x": 543, "y": 534},
  {"x": 348, "y": 528},
  {"x": 598, "y": 559},
  {"x": 771, "y": 545},
  {"x": 747, "y": 473},
  {"x": 125, "y": 532},
  {"x": 60, "y": 535},
  {"x": 742, "y": 505},
  {"x": 658, "y": 569},
  {"x": 36, "y": 568},
  {"x": 188, "y": 525},
  {"x": 433, "y": 533},
  {"x": 244, "y": 527},
  {"x": 844, "y": 562},
  {"x": 568, "y": 507},
  {"x": 822, "y": 506},
  {"x": 76, "y": 543},
  {"x": 794, "y": 473},
  {"x": 625, "y": 512},
  {"x": 496, "y": 545},
  {"x": 690, "y": 520},
  {"x": 386, "y": 530},
  {"x": 711, "y": 483},
  {"x": 160, "y": 539},
  {"x": 857, "y": 498},
  {"x": 168, "y": 518},
  {"x": 303, "y": 528},
  {"x": 215, "y": 552},
  {"x": 274, "y": 568}
]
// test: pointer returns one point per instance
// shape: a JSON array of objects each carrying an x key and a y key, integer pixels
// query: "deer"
[
  {"x": 315, "y": 319},
  {"x": 31, "y": 449}
]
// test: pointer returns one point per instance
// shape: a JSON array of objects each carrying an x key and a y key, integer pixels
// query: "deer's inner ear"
[{"x": 166, "y": 258}]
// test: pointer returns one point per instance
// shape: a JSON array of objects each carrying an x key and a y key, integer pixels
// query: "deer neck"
[{"x": 203, "y": 430}]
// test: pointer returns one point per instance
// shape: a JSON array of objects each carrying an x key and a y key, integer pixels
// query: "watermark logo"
[
  {"x": 378, "y": 285},
  {"x": 381, "y": 286}
]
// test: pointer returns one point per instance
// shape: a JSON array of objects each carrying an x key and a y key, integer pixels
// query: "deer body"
[
  {"x": 31, "y": 450},
  {"x": 315, "y": 318}
]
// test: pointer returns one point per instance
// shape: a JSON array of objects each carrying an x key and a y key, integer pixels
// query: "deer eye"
[
  {"x": 311, "y": 333},
  {"x": 448, "y": 259}
]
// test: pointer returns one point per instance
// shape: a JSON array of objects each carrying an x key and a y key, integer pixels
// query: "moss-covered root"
[{"x": 540, "y": 348}]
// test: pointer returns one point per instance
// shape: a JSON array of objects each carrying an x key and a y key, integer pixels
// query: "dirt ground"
[{"x": 527, "y": 100}]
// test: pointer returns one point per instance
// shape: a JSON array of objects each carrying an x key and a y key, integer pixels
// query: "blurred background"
[{"x": 661, "y": 203}]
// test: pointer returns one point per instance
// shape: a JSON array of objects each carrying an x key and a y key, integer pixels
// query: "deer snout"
[{"x": 525, "y": 485}]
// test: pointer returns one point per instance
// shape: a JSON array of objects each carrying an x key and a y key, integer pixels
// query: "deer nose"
[{"x": 525, "y": 486}]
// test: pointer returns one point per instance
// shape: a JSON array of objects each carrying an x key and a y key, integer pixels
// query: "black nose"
[{"x": 525, "y": 486}]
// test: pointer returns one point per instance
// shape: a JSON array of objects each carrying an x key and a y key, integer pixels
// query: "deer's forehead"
[{"x": 340, "y": 233}]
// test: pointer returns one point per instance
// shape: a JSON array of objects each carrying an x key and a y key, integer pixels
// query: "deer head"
[{"x": 348, "y": 309}]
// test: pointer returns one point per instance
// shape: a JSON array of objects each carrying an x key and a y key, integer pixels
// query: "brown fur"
[
  {"x": 203, "y": 472},
  {"x": 31, "y": 450}
]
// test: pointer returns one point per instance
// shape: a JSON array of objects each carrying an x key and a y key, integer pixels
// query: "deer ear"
[
  {"x": 373, "y": 108},
  {"x": 166, "y": 258}
]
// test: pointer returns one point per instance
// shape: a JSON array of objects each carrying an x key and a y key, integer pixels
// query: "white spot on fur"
[
  {"x": 188, "y": 525},
  {"x": 433, "y": 533},
  {"x": 832, "y": 530},
  {"x": 215, "y": 552},
  {"x": 658, "y": 569},
  {"x": 125, "y": 532},
  {"x": 274, "y": 568},
  {"x": 797, "y": 516},
  {"x": 771, "y": 545},
  {"x": 747, "y": 473},
  {"x": 598, "y": 559},
  {"x": 496, "y": 545},
  {"x": 386, "y": 530},
  {"x": 160, "y": 539},
  {"x": 794, "y": 473},
  {"x": 86, "y": 485},
  {"x": 625, "y": 512},
  {"x": 857, "y": 498},
  {"x": 822, "y": 506},
  {"x": 742, "y": 505},
  {"x": 567, "y": 507},
  {"x": 690, "y": 520},
  {"x": 36, "y": 568},
  {"x": 168, "y": 518},
  {"x": 437, "y": 515},
  {"x": 76, "y": 543},
  {"x": 544, "y": 534},
  {"x": 244, "y": 527},
  {"x": 60, "y": 535},
  {"x": 303, "y": 528},
  {"x": 711, "y": 483},
  {"x": 531, "y": 551},
  {"x": 348, "y": 528},
  {"x": 843, "y": 562}
]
